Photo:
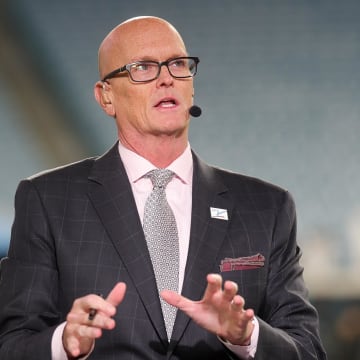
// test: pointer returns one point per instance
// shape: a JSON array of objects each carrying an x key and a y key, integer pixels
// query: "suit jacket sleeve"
[
  {"x": 288, "y": 322},
  {"x": 28, "y": 285}
]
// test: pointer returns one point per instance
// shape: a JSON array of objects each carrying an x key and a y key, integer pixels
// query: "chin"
[
  {"x": 174, "y": 129},
  {"x": 177, "y": 124}
]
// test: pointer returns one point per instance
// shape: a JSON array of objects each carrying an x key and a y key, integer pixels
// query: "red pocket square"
[{"x": 242, "y": 263}]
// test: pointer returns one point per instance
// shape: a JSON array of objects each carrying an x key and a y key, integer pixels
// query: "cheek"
[
  {"x": 136, "y": 96},
  {"x": 188, "y": 92},
  {"x": 132, "y": 111},
  {"x": 130, "y": 100}
]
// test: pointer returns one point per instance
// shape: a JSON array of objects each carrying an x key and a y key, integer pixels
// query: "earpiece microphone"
[{"x": 195, "y": 111}]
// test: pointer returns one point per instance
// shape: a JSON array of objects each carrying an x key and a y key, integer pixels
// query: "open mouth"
[{"x": 166, "y": 103}]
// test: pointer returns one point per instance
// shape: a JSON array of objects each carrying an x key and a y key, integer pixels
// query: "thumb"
[
  {"x": 117, "y": 294},
  {"x": 175, "y": 299}
]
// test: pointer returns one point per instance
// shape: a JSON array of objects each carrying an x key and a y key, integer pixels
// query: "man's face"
[{"x": 157, "y": 108}]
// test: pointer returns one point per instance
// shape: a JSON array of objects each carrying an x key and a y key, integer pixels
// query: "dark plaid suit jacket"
[{"x": 77, "y": 231}]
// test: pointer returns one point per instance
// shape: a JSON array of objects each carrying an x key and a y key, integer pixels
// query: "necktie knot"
[{"x": 160, "y": 177}]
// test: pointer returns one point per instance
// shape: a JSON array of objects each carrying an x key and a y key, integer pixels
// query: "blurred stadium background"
[{"x": 279, "y": 85}]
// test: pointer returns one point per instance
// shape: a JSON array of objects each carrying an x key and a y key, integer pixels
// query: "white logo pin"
[{"x": 217, "y": 213}]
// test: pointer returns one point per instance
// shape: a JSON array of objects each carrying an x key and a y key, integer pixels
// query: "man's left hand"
[{"x": 220, "y": 311}]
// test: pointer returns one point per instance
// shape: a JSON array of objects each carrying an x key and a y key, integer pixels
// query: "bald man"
[{"x": 78, "y": 233}]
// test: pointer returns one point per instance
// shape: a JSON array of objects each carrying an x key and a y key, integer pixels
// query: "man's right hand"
[{"x": 80, "y": 332}]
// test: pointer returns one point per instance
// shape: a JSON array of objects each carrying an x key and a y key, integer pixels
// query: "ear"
[{"x": 102, "y": 94}]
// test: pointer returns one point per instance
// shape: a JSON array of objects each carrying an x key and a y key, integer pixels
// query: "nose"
[{"x": 165, "y": 78}]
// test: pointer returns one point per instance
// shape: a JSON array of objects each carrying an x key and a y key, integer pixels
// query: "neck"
[{"x": 161, "y": 151}]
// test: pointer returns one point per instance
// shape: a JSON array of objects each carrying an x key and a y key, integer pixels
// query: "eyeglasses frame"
[{"x": 126, "y": 67}]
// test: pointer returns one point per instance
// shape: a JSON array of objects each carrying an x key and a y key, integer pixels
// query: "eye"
[
  {"x": 143, "y": 66},
  {"x": 178, "y": 63}
]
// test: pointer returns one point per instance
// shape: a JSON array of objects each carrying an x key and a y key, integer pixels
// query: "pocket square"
[{"x": 242, "y": 263}]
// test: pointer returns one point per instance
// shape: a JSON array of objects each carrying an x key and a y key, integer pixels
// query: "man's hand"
[
  {"x": 80, "y": 332},
  {"x": 220, "y": 311}
]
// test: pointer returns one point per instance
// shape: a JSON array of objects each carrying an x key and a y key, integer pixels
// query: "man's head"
[{"x": 143, "y": 110}]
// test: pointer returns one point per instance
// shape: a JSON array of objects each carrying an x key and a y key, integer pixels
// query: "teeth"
[{"x": 167, "y": 103}]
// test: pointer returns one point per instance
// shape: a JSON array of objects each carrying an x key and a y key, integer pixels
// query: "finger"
[
  {"x": 100, "y": 320},
  {"x": 230, "y": 290},
  {"x": 92, "y": 301},
  {"x": 214, "y": 285},
  {"x": 76, "y": 339},
  {"x": 88, "y": 332},
  {"x": 175, "y": 299},
  {"x": 247, "y": 322},
  {"x": 73, "y": 346},
  {"x": 108, "y": 306},
  {"x": 117, "y": 294},
  {"x": 93, "y": 311},
  {"x": 249, "y": 314},
  {"x": 237, "y": 303}
]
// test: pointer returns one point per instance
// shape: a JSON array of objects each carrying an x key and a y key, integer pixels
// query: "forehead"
[{"x": 149, "y": 39}]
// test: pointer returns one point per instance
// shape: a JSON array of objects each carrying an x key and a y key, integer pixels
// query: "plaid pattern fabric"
[{"x": 77, "y": 231}]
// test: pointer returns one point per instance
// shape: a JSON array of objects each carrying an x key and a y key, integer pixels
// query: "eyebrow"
[{"x": 149, "y": 58}]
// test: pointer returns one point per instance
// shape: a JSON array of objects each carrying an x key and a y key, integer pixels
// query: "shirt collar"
[{"x": 136, "y": 166}]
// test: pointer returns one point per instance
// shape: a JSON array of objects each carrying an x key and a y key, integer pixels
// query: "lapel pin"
[{"x": 217, "y": 213}]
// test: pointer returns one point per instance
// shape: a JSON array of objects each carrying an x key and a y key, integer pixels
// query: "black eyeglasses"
[{"x": 144, "y": 71}]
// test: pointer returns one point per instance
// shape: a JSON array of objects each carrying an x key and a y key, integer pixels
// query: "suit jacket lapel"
[
  {"x": 112, "y": 197},
  {"x": 206, "y": 237}
]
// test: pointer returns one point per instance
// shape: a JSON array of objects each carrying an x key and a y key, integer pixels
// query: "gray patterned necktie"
[{"x": 162, "y": 240}]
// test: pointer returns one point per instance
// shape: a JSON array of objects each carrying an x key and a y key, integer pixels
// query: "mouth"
[{"x": 166, "y": 103}]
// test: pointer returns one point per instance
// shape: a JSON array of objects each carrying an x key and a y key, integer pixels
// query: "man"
[{"x": 78, "y": 232}]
